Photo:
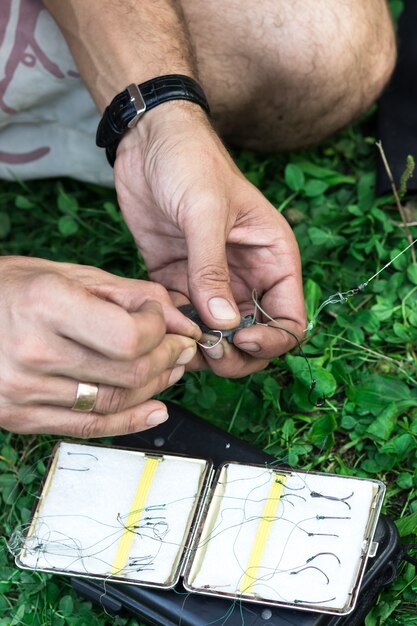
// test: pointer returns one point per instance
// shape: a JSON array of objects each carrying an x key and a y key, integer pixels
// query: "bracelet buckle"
[{"x": 138, "y": 102}]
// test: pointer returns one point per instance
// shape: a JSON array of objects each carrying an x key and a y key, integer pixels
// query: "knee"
[
  {"x": 352, "y": 72},
  {"x": 346, "y": 71},
  {"x": 341, "y": 74},
  {"x": 319, "y": 77}
]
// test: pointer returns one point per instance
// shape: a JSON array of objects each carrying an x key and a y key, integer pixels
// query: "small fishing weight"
[{"x": 189, "y": 311}]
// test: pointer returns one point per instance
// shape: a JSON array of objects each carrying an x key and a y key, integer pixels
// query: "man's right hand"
[{"x": 61, "y": 324}]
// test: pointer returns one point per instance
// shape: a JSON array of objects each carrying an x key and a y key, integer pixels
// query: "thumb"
[{"x": 208, "y": 277}]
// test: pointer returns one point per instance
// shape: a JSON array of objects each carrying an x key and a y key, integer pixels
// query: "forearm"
[{"x": 116, "y": 43}]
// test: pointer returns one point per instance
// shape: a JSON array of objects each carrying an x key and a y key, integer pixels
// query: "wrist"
[
  {"x": 137, "y": 101},
  {"x": 164, "y": 120}
]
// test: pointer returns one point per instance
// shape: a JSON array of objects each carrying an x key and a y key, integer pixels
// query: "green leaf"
[
  {"x": 254, "y": 177},
  {"x": 412, "y": 318},
  {"x": 315, "y": 171},
  {"x": 271, "y": 392},
  {"x": 401, "y": 263},
  {"x": 67, "y": 226},
  {"x": 67, "y": 203},
  {"x": 4, "y": 224},
  {"x": 348, "y": 422},
  {"x": 292, "y": 458},
  {"x": 383, "y": 611},
  {"x": 10, "y": 454},
  {"x": 371, "y": 619},
  {"x": 52, "y": 593},
  {"x": 396, "y": 7},
  {"x": 356, "y": 335},
  {"x": 26, "y": 474},
  {"x": 321, "y": 433},
  {"x": 314, "y": 188},
  {"x": 288, "y": 428},
  {"x": 407, "y": 525},
  {"x": 405, "y": 480},
  {"x": 366, "y": 191},
  {"x": 25, "y": 514},
  {"x": 385, "y": 422},
  {"x": 376, "y": 391},
  {"x": 301, "y": 396},
  {"x": 7, "y": 480},
  {"x": 112, "y": 211},
  {"x": 324, "y": 238},
  {"x": 66, "y": 606},
  {"x": 294, "y": 177},
  {"x": 354, "y": 210},
  {"x": 325, "y": 381},
  {"x": 312, "y": 296},
  {"x": 406, "y": 333},
  {"x": 412, "y": 273},
  {"x": 22, "y": 202},
  {"x": 207, "y": 397},
  {"x": 9, "y": 494},
  {"x": 18, "y": 616},
  {"x": 371, "y": 466},
  {"x": 382, "y": 309},
  {"x": 400, "y": 446},
  {"x": 368, "y": 320}
]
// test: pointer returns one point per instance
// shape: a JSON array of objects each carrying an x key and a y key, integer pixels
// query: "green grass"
[{"x": 362, "y": 352}]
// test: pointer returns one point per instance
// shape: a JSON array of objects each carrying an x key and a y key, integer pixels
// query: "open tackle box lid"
[{"x": 191, "y": 435}]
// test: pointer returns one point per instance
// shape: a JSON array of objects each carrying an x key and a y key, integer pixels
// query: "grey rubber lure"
[{"x": 189, "y": 311}]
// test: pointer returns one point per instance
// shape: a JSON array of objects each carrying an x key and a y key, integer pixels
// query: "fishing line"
[
  {"x": 155, "y": 524},
  {"x": 311, "y": 567},
  {"x": 313, "y": 382},
  {"x": 344, "y": 296},
  {"x": 339, "y": 297},
  {"x": 158, "y": 525},
  {"x": 273, "y": 571}
]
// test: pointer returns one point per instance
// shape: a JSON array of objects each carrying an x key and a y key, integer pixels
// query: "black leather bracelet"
[{"x": 127, "y": 107}]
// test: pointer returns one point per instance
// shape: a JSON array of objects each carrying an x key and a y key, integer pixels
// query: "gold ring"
[{"x": 86, "y": 397}]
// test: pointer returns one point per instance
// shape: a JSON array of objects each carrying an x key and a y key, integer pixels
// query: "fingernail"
[
  {"x": 249, "y": 347},
  {"x": 176, "y": 374},
  {"x": 157, "y": 417},
  {"x": 186, "y": 356},
  {"x": 217, "y": 352},
  {"x": 221, "y": 309},
  {"x": 195, "y": 330}
]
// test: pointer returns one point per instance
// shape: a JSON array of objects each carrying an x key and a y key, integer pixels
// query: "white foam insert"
[
  {"x": 79, "y": 521},
  {"x": 231, "y": 525}
]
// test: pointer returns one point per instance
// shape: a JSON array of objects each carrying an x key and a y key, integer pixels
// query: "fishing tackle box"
[{"x": 185, "y": 433}]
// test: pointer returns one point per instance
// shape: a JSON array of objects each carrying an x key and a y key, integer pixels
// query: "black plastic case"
[{"x": 186, "y": 433}]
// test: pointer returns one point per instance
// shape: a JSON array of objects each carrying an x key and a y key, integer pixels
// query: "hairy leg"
[{"x": 281, "y": 75}]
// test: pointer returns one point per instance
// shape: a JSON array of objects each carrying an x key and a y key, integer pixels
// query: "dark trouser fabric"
[{"x": 397, "y": 114}]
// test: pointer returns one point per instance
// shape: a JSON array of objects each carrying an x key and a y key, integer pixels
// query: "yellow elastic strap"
[
  {"x": 262, "y": 534},
  {"x": 136, "y": 510}
]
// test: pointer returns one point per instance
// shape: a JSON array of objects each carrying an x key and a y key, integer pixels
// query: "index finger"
[
  {"x": 104, "y": 326},
  {"x": 281, "y": 325}
]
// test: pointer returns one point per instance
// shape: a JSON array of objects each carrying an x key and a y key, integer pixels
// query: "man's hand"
[
  {"x": 205, "y": 232},
  {"x": 61, "y": 324}
]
